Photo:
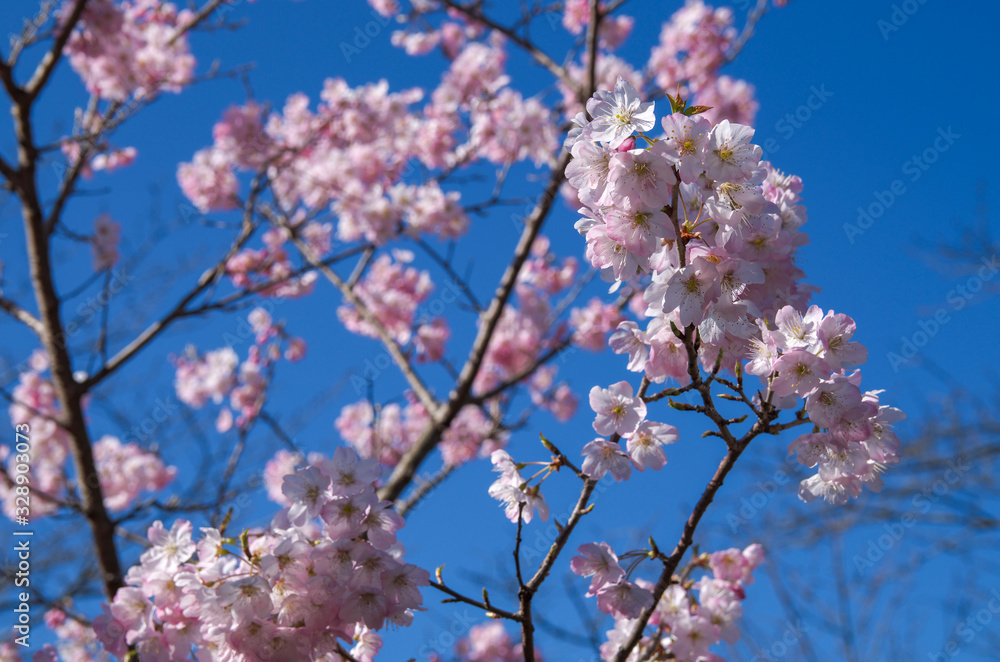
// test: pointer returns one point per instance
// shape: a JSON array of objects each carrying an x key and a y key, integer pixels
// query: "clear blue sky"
[{"x": 927, "y": 90}]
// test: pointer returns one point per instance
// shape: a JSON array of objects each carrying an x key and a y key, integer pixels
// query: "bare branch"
[
  {"x": 180, "y": 309},
  {"x": 537, "y": 54},
  {"x": 686, "y": 540},
  {"x": 51, "y": 59},
  {"x": 485, "y": 606},
  {"x": 395, "y": 351},
  {"x": 21, "y": 315},
  {"x": 410, "y": 462}
]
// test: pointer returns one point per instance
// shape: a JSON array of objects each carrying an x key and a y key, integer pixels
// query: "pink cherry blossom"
[
  {"x": 512, "y": 492},
  {"x": 135, "y": 47},
  {"x": 392, "y": 292},
  {"x": 125, "y": 471},
  {"x": 642, "y": 177},
  {"x": 430, "y": 340},
  {"x": 685, "y": 144},
  {"x": 623, "y": 599},
  {"x": 628, "y": 339},
  {"x": 602, "y": 456},
  {"x": 639, "y": 232},
  {"x": 209, "y": 181},
  {"x": 471, "y": 434},
  {"x": 799, "y": 372},
  {"x": 592, "y": 324},
  {"x": 597, "y": 560},
  {"x": 645, "y": 445},
  {"x": 691, "y": 290},
  {"x": 729, "y": 156},
  {"x": 618, "y": 115},
  {"x": 618, "y": 412},
  {"x": 834, "y": 335},
  {"x": 308, "y": 490},
  {"x": 489, "y": 642},
  {"x": 169, "y": 548}
]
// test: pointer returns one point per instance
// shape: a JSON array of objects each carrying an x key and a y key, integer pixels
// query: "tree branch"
[
  {"x": 395, "y": 351},
  {"x": 22, "y": 315},
  {"x": 410, "y": 462},
  {"x": 537, "y": 54},
  {"x": 68, "y": 391},
  {"x": 671, "y": 563},
  {"x": 51, "y": 59},
  {"x": 180, "y": 309}
]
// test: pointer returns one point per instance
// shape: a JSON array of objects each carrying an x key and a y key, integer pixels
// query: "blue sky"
[{"x": 888, "y": 120}]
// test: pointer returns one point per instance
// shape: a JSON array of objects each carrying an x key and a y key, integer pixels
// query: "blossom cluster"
[
  {"x": 708, "y": 232},
  {"x": 355, "y": 156},
  {"x": 806, "y": 357},
  {"x": 682, "y": 625},
  {"x": 693, "y": 46},
  {"x": 488, "y": 642},
  {"x": 102, "y": 156},
  {"x": 327, "y": 569},
  {"x": 392, "y": 292},
  {"x": 520, "y": 500},
  {"x": 387, "y": 433},
  {"x": 504, "y": 127},
  {"x": 351, "y": 155},
  {"x": 124, "y": 471},
  {"x": 523, "y": 332},
  {"x": 620, "y": 413},
  {"x": 136, "y": 47},
  {"x": 77, "y": 642},
  {"x": 219, "y": 374},
  {"x": 269, "y": 270},
  {"x": 36, "y": 405}
]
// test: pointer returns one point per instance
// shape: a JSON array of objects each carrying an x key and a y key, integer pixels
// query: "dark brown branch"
[
  {"x": 672, "y": 561},
  {"x": 68, "y": 391},
  {"x": 527, "y": 591},
  {"x": 51, "y": 59},
  {"x": 488, "y": 608},
  {"x": 410, "y": 462},
  {"x": 401, "y": 360},
  {"x": 537, "y": 54},
  {"x": 180, "y": 309},
  {"x": 22, "y": 315}
]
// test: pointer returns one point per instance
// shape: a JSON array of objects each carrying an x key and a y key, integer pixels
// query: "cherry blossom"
[
  {"x": 519, "y": 499},
  {"x": 489, "y": 642},
  {"x": 682, "y": 625},
  {"x": 125, "y": 470},
  {"x": 728, "y": 279},
  {"x": 597, "y": 560},
  {"x": 645, "y": 445},
  {"x": 618, "y": 115},
  {"x": 300, "y": 593},
  {"x": 392, "y": 292},
  {"x": 135, "y": 47},
  {"x": 685, "y": 144},
  {"x": 618, "y": 412},
  {"x": 729, "y": 155},
  {"x": 602, "y": 456}
]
